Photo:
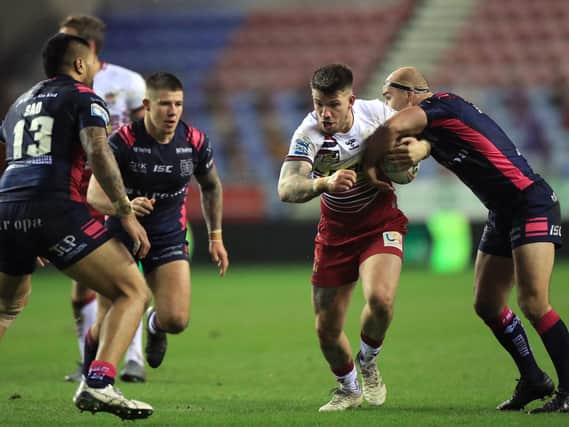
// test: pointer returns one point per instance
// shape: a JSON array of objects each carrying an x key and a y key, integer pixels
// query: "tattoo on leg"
[{"x": 324, "y": 298}]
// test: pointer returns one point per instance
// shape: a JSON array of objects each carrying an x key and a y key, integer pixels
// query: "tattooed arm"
[
  {"x": 212, "y": 199},
  {"x": 297, "y": 186},
  {"x": 105, "y": 168},
  {"x": 212, "y": 209}
]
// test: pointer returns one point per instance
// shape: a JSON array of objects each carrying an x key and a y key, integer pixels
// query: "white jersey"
[
  {"x": 123, "y": 91},
  {"x": 328, "y": 153}
]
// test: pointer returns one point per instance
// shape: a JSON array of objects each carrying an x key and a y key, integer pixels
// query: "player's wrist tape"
[
  {"x": 122, "y": 206},
  {"x": 215, "y": 235}
]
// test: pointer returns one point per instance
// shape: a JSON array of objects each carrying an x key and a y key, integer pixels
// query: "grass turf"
[{"x": 250, "y": 357}]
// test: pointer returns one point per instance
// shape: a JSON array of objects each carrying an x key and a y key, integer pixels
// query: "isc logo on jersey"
[{"x": 163, "y": 168}]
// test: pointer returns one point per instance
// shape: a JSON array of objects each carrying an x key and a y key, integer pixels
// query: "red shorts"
[{"x": 335, "y": 266}]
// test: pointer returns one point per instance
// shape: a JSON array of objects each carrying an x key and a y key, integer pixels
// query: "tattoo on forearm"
[
  {"x": 102, "y": 162},
  {"x": 212, "y": 200},
  {"x": 295, "y": 183}
]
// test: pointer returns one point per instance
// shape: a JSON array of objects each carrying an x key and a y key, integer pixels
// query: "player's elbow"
[{"x": 284, "y": 193}]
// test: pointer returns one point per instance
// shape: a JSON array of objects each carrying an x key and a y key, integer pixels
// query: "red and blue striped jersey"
[
  {"x": 45, "y": 159},
  {"x": 470, "y": 144},
  {"x": 161, "y": 171}
]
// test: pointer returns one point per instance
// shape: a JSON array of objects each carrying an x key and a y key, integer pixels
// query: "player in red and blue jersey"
[
  {"x": 157, "y": 157},
  {"x": 521, "y": 233},
  {"x": 123, "y": 91},
  {"x": 50, "y": 131}
]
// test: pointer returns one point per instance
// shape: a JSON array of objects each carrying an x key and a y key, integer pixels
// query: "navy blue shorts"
[
  {"x": 536, "y": 218},
  {"x": 63, "y": 231},
  {"x": 163, "y": 248}
]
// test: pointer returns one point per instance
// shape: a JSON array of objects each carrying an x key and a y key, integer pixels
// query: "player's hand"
[
  {"x": 408, "y": 152},
  {"x": 219, "y": 256},
  {"x": 142, "y": 206},
  {"x": 374, "y": 179},
  {"x": 341, "y": 180},
  {"x": 41, "y": 262},
  {"x": 138, "y": 235}
]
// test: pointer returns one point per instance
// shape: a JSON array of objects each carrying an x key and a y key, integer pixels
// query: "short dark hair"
[
  {"x": 332, "y": 78},
  {"x": 163, "y": 81},
  {"x": 56, "y": 51},
  {"x": 88, "y": 27}
]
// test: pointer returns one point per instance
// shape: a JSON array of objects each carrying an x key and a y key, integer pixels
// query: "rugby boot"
[
  {"x": 527, "y": 392},
  {"x": 76, "y": 375},
  {"x": 133, "y": 373},
  {"x": 559, "y": 403},
  {"x": 373, "y": 388},
  {"x": 341, "y": 400},
  {"x": 110, "y": 399},
  {"x": 156, "y": 344}
]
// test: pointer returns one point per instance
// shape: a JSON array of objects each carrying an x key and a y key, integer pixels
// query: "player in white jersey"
[
  {"x": 360, "y": 233},
  {"x": 123, "y": 90}
]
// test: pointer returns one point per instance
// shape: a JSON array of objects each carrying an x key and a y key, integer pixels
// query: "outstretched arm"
[
  {"x": 212, "y": 209},
  {"x": 408, "y": 122},
  {"x": 297, "y": 186}
]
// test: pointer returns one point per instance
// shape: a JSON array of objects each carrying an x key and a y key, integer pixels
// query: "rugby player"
[
  {"x": 360, "y": 234},
  {"x": 123, "y": 91},
  {"x": 50, "y": 131},
  {"x": 157, "y": 156},
  {"x": 521, "y": 233}
]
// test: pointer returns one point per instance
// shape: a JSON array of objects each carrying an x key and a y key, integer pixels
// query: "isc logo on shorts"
[{"x": 393, "y": 239}]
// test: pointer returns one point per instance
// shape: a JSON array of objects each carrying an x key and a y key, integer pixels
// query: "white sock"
[
  {"x": 349, "y": 381},
  {"x": 152, "y": 323},
  {"x": 134, "y": 351},
  {"x": 88, "y": 318},
  {"x": 368, "y": 353}
]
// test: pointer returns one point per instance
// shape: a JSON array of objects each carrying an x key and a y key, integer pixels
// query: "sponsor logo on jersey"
[
  {"x": 328, "y": 156},
  {"x": 393, "y": 239},
  {"x": 181, "y": 150},
  {"x": 163, "y": 168},
  {"x": 145, "y": 150},
  {"x": 353, "y": 144},
  {"x": 461, "y": 155},
  {"x": 139, "y": 167},
  {"x": 301, "y": 148},
  {"x": 98, "y": 111}
]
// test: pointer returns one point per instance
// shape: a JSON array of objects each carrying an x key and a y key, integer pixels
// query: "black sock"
[
  {"x": 89, "y": 353},
  {"x": 511, "y": 334},
  {"x": 555, "y": 337}
]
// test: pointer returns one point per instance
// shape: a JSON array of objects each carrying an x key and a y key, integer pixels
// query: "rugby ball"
[{"x": 400, "y": 177}]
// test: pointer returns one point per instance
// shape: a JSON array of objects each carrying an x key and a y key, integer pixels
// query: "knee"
[
  {"x": 174, "y": 323},
  {"x": 487, "y": 312},
  {"x": 532, "y": 307},
  {"x": 381, "y": 306},
  {"x": 327, "y": 333},
  {"x": 138, "y": 290},
  {"x": 11, "y": 306},
  {"x": 481, "y": 310}
]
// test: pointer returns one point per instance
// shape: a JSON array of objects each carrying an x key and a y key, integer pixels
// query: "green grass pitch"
[{"x": 250, "y": 357}]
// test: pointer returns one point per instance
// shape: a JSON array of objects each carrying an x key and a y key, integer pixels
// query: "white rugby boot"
[
  {"x": 110, "y": 399},
  {"x": 342, "y": 399},
  {"x": 373, "y": 388}
]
